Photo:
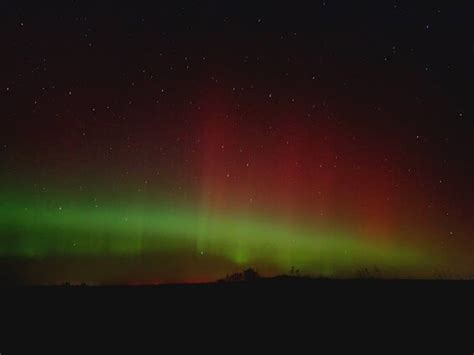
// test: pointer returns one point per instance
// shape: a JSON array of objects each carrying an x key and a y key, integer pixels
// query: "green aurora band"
[{"x": 33, "y": 228}]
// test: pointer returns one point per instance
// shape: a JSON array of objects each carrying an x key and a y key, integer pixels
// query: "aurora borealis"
[
  {"x": 77, "y": 230},
  {"x": 157, "y": 143}
]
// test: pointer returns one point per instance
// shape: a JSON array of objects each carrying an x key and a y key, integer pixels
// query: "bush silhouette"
[
  {"x": 251, "y": 275},
  {"x": 247, "y": 275}
]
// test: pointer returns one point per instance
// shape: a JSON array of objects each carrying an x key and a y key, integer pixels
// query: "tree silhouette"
[
  {"x": 251, "y": 275},
  {"x": 247, "y": 275}
]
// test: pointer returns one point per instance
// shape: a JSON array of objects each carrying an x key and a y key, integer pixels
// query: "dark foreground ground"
[
  {"x": 434, "y": 313},
  {"x": 283, "y": 292}
]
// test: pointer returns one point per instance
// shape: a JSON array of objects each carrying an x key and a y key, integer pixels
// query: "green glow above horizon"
[{"x": 36, "y": 228}]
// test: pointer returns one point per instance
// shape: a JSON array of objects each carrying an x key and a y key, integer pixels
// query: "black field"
[{"x": 435, "y": 314}]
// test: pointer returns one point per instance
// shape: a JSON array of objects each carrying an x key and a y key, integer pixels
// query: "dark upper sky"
[{"x": 409, "y": 60}]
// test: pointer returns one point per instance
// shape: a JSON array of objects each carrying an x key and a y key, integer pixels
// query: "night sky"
[{"x": 185, "y": 141}]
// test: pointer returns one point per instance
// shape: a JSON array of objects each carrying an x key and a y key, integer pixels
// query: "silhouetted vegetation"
[
  {"x": 294, "y": 272},
  {"x": 247, "y": 275},
  {"x": 369, "y": 273},
  {"x": 295, "y": 276}
]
